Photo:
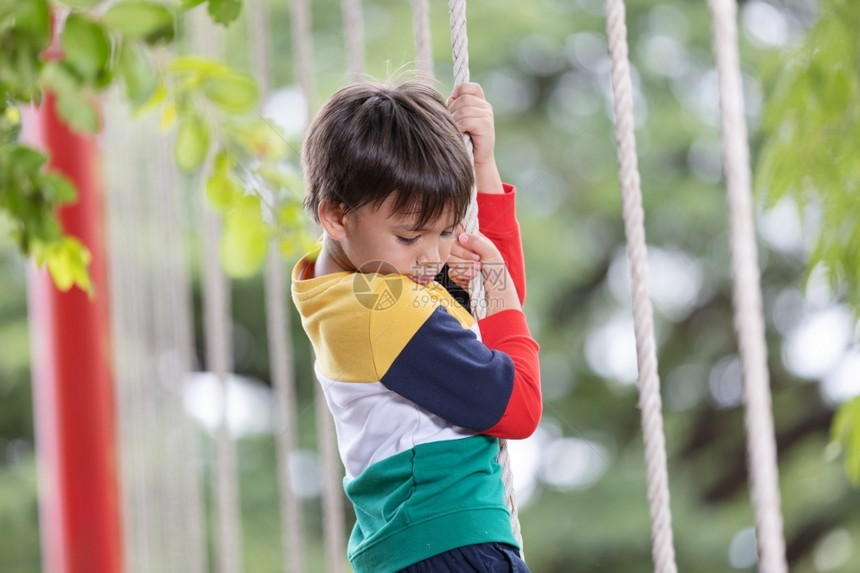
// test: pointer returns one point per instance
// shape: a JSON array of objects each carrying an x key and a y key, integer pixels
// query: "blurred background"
[{"x": 580, "y": 479}]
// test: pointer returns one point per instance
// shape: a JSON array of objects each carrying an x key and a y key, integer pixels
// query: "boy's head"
[{"x": 393, "y": 150}]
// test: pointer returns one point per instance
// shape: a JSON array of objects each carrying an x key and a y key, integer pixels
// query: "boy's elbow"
[
  {"x": 518, "y": 426},
  {"x": 529, "y": 424}
]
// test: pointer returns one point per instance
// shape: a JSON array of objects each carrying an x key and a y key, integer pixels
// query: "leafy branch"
[
  {"x": 210, "y": 106},
  {"x": 812, "y": 129}
]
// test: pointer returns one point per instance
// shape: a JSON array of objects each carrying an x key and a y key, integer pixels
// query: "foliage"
[
  {"x": 846, "y": 430},
  {"x": 211, "y": 105},
  {"x": 812, "y": 125}
]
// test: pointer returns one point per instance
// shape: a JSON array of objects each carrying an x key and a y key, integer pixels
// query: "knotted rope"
[
  {"x": 216, "y": 305},
  {"x": 460, "y": 51},
  {"x": 421, "y": 30},
  {"x": 278, "y": 329},
  {"x": 749, "y": 318},
  {"x": 332, "y": 489},
  {"x": 663, "y": 550},
  {"x": 354, "y": 33}
]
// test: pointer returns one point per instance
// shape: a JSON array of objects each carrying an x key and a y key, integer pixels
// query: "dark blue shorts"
[{"x": 480, "y": 558}]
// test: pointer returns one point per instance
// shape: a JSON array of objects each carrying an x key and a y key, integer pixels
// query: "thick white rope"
[
  {"x": 421, "y": 30},
  {"x": 279, "y": 333},
  {"x": 663, "y": 551},
  {"x": 749, "y": 318},
  {"x": 332, "y": 487},
  {"x": 353, "y": 24},
  {"x": 216, "y": 307},
  {"x": 460, "y": 52}
]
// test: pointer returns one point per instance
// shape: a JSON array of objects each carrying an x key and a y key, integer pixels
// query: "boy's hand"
[
  {"x": 473, "y": 114},
  {"x": 474, "y": 254}
]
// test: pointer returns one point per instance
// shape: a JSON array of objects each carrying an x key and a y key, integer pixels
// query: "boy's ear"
[{"x": 331, "y": 218}]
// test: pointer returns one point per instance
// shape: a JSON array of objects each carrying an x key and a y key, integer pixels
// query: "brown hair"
[{"x": 371, "y": 139}]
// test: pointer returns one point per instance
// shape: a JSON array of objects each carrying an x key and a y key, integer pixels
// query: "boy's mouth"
[{"x": 422, "y": 279}]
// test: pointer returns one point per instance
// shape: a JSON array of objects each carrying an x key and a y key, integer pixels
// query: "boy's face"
[{"x": 378, "y": 239}]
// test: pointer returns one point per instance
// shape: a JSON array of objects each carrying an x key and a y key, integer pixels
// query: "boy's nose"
[
  {"x": 430, "y": 260},
  {"x": 430, "y": 256}
]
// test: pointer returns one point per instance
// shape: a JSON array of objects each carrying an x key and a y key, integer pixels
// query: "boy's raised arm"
[{"x": 497, "y": 220}]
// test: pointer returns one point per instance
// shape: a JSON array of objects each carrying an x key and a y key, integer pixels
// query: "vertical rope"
[
  {"x": 332, "y": 489},
  {"x": 278, "y": 327},
  {"x": 460, "y": 53},
  {"x": 162, "y": 511},
  {"x": 216, "y": 307},
  {"x": 190, "y": 542},
  {"x": 128, "y": 363},
  {"x": 749, "y": 319},
  {"x": 353, "y": 25},
  {"x": 663, "y": 550},
  {"x": 421, "y": 30},
  {"x": 302, "y": 49}
]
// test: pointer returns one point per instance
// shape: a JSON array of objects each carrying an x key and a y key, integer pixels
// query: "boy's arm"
[
  {"x": 491, "y": 388},
  {"x": 496, "y": 201},
  {"x": 498, "y": 222}
]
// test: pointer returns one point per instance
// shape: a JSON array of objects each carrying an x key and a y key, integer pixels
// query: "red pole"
[{"x": 72, "y": 376}]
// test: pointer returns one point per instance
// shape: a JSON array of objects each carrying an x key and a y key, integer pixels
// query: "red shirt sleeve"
[
  {"x": 508, "y": 332},
  {"x": 497, "y": 220}
]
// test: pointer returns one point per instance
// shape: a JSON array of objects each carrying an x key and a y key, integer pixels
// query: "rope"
[
  {"x": 663, "y": 551},
  {"x": 749, "y": 320},
  {"x": 421, "y": 30},
  {"x": 302, "y": 48},
  {"x": 332, "y": 488},
  {"x": 162, "y": 510},
  {"x": 353, "y": 24},
  {"x": 460, "y": 52},
  {"x": 191, "y": 545},
  {"x": 278, "y": 327},
  {"x": 216, "y": 305}
]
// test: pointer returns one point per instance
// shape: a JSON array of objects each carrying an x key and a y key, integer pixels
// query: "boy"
[{"x": 418, "y": 399}]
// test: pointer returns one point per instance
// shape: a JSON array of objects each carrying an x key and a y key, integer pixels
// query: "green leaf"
[
  {"x": 224, "y": 11},
  {"x": 10, "y": 125},
  {"x": 79, "y": 3},
  {"x": 57, "y": 189},
  {"x": 138, "y": 73},
  {"x": 291, "y": 215},
  {"x": 25, "y": 160},
  {"x": 188, "y": 4},
  {"x": 279, "y": 177},
  {"x": 192, "y": 144},
  {"x": 221, "y": 191},
  {"x": 67, "y": 260},
  {"x": 58, "y": 77},
  {"x": 846, "y": 431},
  {"x": 33, "y": 16},
  {"x": 139, "y": 19},
  {"x": 245, "y": 240},
  {"x": 196, "y": 65},
  {"x": 86, "y": 46},
  {"x": 263, "y": 140},
  {"x": 78, "y": 111},
  {"x": 233, "y": 93},
  {"x": 26, "y": 63}
]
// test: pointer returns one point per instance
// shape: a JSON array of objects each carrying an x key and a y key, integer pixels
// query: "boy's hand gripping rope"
[{"x": 459, "y": 48}]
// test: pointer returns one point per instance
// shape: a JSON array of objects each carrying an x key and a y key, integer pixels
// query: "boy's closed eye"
[{"x": 412, "y": 240}]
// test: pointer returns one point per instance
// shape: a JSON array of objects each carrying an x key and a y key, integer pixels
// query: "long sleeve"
[
  {"x": 490, "y": 387},
  {"x": 497, "y": 220}
]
